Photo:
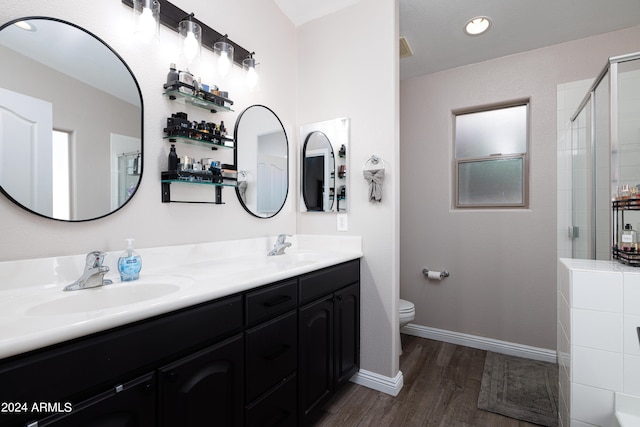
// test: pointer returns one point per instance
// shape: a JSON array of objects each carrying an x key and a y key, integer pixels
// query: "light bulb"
[
  {"x": 146, "y": 25},
  {"x": 251, "y": 79},
  {"x": 224, "y": 64},
  {"x": 190, "y": 48}
]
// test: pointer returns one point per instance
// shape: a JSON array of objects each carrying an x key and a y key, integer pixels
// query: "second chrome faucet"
[{"x": 280, "y": 245}]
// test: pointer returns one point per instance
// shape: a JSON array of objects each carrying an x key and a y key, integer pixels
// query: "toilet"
[{"x": 406, "y": 313}]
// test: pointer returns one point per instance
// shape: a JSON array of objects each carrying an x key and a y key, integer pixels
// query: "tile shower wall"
[{"x": 599, "y": 349}]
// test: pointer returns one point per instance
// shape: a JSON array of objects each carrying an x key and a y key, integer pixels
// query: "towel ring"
[{"x": 374, "y": 160}]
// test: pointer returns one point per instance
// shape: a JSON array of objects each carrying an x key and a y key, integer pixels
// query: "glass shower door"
[{"x": 581, "y": 184}]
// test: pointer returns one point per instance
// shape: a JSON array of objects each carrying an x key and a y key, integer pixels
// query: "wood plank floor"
[{"x": 441, "y": 386}]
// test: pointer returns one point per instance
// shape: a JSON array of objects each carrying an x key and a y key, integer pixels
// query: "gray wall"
[{"x": 502, "y": 262}]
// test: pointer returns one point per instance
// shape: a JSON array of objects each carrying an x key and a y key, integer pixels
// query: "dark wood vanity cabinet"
[
  {"x": 266, "y": 357},
  {"x": 329, "y": 334}
]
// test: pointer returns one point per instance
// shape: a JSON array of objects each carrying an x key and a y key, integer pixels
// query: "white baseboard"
[
  {"x": 379, "y": 382},
  {"x": 481, "y": 343}
]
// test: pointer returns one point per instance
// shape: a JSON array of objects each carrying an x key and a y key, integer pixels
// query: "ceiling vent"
[{"x": 405, "y": 49}]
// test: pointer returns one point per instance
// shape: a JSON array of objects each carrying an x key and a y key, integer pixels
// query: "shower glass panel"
[
  {"x": 605, "y": 136},
  {"x": 581, "y": 160}
]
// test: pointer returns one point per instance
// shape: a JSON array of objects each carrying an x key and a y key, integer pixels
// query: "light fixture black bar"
[{"x": 170, "y": 17}]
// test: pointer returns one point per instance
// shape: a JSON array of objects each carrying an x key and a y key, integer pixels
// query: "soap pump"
[{"x": 129, "y": 263}]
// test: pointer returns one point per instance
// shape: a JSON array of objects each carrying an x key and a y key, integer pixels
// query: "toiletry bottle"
[
  {"x": 173, "y": 75},
  {"x": 173, "y": 158},
  {"x": 129, "y": 263},
  {"x": 628, "y": 238}
]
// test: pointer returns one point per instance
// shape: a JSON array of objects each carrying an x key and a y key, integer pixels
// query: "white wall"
[
  {"x": 266, "y": 30},
  {"x": 502, "y": 263},
  {"x": 348, "y": 67}
]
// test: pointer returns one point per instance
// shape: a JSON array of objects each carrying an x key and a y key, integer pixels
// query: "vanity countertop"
[{"x": 35, "y": 311}]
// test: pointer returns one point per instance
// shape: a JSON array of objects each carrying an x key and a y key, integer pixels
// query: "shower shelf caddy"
[{"x": 619, "y": 207}]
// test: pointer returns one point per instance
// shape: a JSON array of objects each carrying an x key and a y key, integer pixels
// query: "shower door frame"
[{"x": 610, "y": 70}]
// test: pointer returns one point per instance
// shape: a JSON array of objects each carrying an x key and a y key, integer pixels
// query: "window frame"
[{"x": 496, "y": 156}]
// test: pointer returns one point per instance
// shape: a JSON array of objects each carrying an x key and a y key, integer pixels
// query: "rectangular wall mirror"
[{"x": 324, "y": 167}]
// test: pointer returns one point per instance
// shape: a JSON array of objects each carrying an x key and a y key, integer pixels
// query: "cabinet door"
[
  {"x": 128, "y": 405},
  {"x": 315, "y": 366},
  {"x": 205, "y": 388},
  {"x": 347, "y": 333}
]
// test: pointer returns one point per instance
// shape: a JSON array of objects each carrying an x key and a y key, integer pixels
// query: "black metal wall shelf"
[
  {"x": 214, "y": 145},
  {"x": 627, "y": 255},
  {"x": 196, "y": 101},
  {"x": 166, "y": 191}
]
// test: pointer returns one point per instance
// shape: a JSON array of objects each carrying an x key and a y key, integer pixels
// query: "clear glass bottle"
[{"x": 628, "y": 238}]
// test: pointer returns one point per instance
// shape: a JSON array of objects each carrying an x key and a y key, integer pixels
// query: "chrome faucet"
[
  {"x": 280, "y": 245},
  {"x": 93, "y": 275}
]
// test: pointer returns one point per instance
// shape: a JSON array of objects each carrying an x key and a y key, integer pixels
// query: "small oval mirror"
[
  {"x": 70, "y": 121},
  {"x": 261, "y": 157},
  {"x": 318, "y": 173}
]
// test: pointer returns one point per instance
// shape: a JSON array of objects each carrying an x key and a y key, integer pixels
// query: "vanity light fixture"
[
  {"x": 172, "y": 17},
  {"x": 146, "y": 19},
  {"x": 190, "y": 37},
  {"x": 477, "y": 25},
  {"x": 249, "y": 66},
  {"x": 224, "y": 52}
]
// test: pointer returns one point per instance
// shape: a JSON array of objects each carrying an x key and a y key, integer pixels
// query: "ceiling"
[{"x": 434, "y": 28}]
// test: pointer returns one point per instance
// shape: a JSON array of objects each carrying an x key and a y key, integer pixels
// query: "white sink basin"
[{"x": 58, "y": 302}]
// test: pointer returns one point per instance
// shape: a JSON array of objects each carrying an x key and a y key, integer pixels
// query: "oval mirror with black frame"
[
  {"x": 70, "y": 121},
  {"x": 318, "y": 173},
  {"x": 261, "y": 157},
  {"x": 323, "y": 166}
]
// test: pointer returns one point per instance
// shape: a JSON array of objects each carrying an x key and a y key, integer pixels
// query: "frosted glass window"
[
  {"x": 491, "y": 182},
  {"x": 490, "y": 149},
  {"x": 501, "y": 131}
]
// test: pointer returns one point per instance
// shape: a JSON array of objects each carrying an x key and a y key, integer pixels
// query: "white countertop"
[
  {"x": 598, "y": 265},
  {"x": 35, "y": 311}
]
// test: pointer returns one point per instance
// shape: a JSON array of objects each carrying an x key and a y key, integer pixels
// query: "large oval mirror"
[
  {"x": 70, "y": 121},
  {"x": 318, "y": 173},
  {"x": 261, "y": 157}
]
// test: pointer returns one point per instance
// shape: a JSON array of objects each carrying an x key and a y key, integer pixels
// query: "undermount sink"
[{"x": 102, "y": 298}]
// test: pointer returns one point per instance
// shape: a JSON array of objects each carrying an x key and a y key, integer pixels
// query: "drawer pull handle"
[
  {"x": 277, "y": 301},
  {"x": 279, "y": 352}
]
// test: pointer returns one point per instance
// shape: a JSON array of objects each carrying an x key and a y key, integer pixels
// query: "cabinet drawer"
[
  {"x": 271, "y": 353},
  {"x": 277, "y": 408},
  {"x": 328, "y": 280},
  {"x": 271, "y": 301}
]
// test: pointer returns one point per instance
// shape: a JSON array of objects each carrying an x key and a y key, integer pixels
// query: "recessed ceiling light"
[{"x": 477, "y": 25}]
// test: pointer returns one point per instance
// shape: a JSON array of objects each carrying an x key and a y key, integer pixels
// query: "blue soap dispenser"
[{"x": 129, "y": 263}]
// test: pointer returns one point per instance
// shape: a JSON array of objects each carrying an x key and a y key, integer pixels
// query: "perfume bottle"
[{"x": 628, "y": 238}]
